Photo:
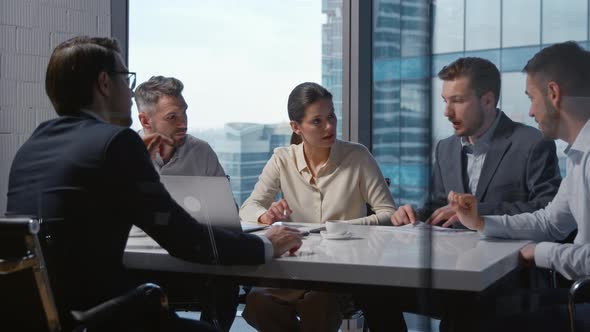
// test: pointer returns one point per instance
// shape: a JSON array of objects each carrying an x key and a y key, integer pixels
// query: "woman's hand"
[
  {"x": 278, "y": 211},
  {"x": 404, "y": 215}
]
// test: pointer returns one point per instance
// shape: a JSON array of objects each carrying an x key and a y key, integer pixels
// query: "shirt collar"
[
  {"x": 300, "y": 157},
  {"x": 482, "y": 144},
  {"x": 158, "y": 161},
  {"x": 582, "y": 142},
  {"x": 180, "y": 151}
]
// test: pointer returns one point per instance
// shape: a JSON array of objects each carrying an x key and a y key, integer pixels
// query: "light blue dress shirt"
[{"x": 476, "y": 154}]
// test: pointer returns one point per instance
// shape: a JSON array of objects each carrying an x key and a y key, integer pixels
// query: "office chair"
[
  {"x": 27, "y": 299},
  {"x": 579, "y": 293}
]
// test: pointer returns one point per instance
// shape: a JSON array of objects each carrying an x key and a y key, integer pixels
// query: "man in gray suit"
[{"x": 508, "y": 166}]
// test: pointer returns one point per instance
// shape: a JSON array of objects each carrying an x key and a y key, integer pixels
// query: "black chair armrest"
[
  {"x": 580, "y": 290},
  {"x": 149, "y": 298},
  {"x": 20, "y": 224}
]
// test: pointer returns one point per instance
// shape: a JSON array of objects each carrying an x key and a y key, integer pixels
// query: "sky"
[{"x": 238, "y": 60}]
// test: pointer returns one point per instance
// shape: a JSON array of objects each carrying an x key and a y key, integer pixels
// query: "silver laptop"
[{"x": 208, "y": 199}]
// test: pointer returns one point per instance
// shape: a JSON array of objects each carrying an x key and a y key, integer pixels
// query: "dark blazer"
[
  {"x": 520, "y": 172},
  {"x": 90, "y": 181}
]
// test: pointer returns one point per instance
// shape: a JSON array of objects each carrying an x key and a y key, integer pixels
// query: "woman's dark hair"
[
  {"x": 73, "y": 71},
  {"x": 300, "y": 98}
]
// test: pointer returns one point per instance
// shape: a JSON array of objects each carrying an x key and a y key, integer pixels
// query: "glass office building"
[
  {"x": 332, "y": 53},
  {"x": 408, "y": 111},
  {"x": 401, "y": 92},
  {"x": 243, "y": 149}
]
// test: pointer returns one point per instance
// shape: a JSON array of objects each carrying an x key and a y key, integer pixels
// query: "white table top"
[{"x": 375, "y": 255}]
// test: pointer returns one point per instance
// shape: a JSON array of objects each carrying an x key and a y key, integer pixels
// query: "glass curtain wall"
[
  {"x": 407, "y": 116},
  {"x": 508, "y": 33},
  {"x": 401, "y": 93}
]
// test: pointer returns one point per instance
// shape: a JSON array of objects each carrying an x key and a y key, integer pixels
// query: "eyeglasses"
[{"x": 130, "y": 77}]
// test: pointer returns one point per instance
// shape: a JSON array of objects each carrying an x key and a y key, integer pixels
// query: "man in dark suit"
[
  {"x": 89, "y": 178},
  {"x": 508, "y": 166}
]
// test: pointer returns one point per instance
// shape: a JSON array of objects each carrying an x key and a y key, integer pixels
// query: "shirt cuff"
[
  {"x": 542, "y": 254},
  {"x": 268, "y": 249},
  {"x": 492, "y": 226},
  {"x": 259, "y": 213}
]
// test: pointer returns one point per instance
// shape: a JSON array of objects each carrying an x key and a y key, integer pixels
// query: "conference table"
[{"x": 381, "y": 257}]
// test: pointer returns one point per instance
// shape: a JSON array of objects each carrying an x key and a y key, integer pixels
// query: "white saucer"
[{"x": 344, "y": 236}]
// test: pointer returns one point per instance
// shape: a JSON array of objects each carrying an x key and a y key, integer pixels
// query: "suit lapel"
[{"x": 498, "y": 147}]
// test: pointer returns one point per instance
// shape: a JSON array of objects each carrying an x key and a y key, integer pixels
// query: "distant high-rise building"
[
  {"x": 332, "y": 54},
  {"x": 244, "y": 148},
  {"x": 401, "y": 91}
]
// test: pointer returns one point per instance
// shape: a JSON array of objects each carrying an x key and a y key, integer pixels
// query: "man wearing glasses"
[
  {"x": 130, "y": 78},
  {"x": 119, "y": 113},
  {"x": 89, "y": 178}
]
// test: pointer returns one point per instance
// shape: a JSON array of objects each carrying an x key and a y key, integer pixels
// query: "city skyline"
[{"x": 238, "y": 61}]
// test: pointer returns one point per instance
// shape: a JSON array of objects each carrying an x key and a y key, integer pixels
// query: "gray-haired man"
[{"x": 162, "y": 114}]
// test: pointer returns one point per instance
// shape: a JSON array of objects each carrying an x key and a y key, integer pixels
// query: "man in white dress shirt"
[{"x": 558, "y": 85}]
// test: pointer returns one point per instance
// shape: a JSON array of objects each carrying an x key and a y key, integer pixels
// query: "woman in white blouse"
[{"x": 320, "y": 178}]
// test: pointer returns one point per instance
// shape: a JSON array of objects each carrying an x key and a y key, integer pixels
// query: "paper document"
[
  {"x": 422, "y": 226},
  {"x": 288, "y": 224}
]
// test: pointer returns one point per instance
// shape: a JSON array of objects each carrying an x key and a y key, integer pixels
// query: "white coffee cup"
[{"x": 336, "y": 228}]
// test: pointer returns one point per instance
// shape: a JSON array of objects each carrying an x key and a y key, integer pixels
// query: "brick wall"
[{"x": 29, "y": 30}]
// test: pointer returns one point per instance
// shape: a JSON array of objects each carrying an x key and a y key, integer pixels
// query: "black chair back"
[{"x": 27, "y": 299}]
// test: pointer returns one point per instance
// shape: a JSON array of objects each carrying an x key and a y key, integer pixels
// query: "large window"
[
  {"x": 408, "y": 112},
  {"x": 482, "y": 24},
  {"x": 517, "y": 31},
  {"x": 448, "y": 18},
  {"x": 401, "y": 92},
  {"x": 564, "y": 20},
  {"x": 238, "y": 62}
]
